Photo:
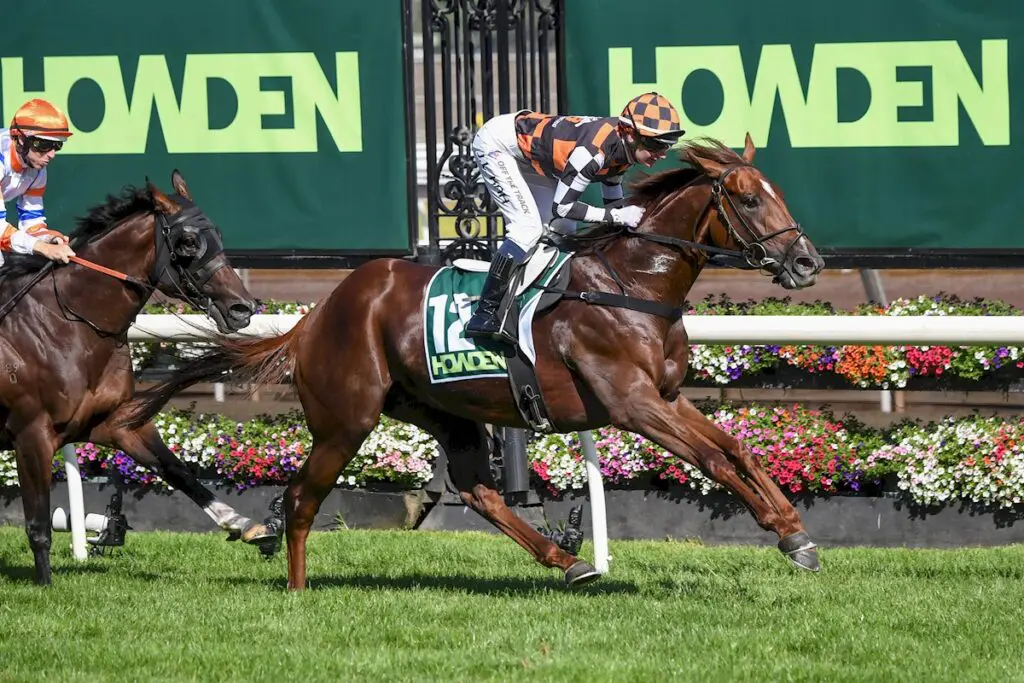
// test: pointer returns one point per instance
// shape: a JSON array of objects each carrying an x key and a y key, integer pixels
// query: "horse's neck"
[
  {"x": 655, "y": 271},
  {"x": 104, "y": 300},
  {"x": 129, "y": 247},
  {"x": 658, "y": 272}
]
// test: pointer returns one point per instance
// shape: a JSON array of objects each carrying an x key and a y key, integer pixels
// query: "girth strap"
[{"x": 620, "y": 301}]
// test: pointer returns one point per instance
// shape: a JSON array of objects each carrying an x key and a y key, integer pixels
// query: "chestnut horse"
[
  {"x": 361, "y": 352},
  {"x": 64, "y": 348}
]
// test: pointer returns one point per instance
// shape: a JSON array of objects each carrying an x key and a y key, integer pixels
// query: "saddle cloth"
[{"x": 451, "y": 295}]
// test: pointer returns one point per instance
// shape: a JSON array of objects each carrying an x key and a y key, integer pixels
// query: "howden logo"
[
  {"x": 186, "y": 123},
  {"x": 812, "y": 119}
]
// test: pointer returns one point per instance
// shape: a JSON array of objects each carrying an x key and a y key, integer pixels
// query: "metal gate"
[{"x": 480, "y": 58}]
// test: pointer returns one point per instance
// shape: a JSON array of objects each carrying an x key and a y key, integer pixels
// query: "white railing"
[{"x": 702, "y": 329}]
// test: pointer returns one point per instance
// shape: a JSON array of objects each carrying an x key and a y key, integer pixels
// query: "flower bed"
[
  {"x": 974, "y": 459},
  {"x": 265, "y": 450},
  {"x": 858, "y": 366}
]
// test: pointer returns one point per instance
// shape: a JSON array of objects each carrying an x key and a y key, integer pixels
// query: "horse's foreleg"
[
  {"x": 688, "y": 434},
  {"x": 34, "y": 448},
  {"x": 145, "y": 447},
  {"x": 796, "y": 544}
]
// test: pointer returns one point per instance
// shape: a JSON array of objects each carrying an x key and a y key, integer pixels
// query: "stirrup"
[{"x": 482, "y": 326}]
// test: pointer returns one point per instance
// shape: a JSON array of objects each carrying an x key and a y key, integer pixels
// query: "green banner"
[
  {"x": 286, "y": 119},
  {"x": 887, "y": 123}
]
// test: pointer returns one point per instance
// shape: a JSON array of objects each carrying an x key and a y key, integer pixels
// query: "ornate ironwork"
[{"x": 480, "y": 58}]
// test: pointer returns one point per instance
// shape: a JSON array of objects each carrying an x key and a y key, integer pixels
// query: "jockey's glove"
[{"x": 629, "y": 216}]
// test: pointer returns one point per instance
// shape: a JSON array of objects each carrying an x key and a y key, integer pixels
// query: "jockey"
[
  {"x": 38, "y": 131},
  {"x": 536, "y": 167}
]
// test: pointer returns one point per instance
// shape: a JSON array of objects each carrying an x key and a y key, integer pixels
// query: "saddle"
[{"x": 450, "y": 296}]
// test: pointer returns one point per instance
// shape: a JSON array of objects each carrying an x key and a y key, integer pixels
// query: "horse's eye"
[
  {"x": 187, "y": 245},
  {"x": 750, "y": 200}
]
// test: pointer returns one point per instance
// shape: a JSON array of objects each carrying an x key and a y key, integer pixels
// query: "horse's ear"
[
  {"x": 160, "y": 200},
  {"x": 748, "y": 149},
  {"x": 178, "y": 183}
]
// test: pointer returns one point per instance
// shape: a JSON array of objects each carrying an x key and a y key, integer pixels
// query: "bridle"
[
  {"x": 752, "y": 255},
  {"x": 184, "y": 268},
  {"x": 187, "y": 271}
]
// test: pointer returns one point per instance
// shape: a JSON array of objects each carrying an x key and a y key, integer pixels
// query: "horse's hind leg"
[
  {"x": 338, "y": 429},
  {"x": 307, "y": 490},
  {"x": 34, "y": 448},
  {"x": 466, "y": 445},
  {"x": 145, "y": 447}
]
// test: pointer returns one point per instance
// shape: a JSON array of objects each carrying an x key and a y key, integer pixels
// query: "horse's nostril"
[
  {"x": 805, "y": 265},
  {"x": 239, "y": 311}
]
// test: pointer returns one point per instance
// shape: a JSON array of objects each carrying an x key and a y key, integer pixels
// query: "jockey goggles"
[
  {"x": 656, "y": 144},
  {"x": 42, "y": 145}
]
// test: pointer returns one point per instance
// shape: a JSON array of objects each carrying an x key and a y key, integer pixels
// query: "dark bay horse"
[
  {"x": 64, "y": 348},
  {"x": 361, "y": 352}
]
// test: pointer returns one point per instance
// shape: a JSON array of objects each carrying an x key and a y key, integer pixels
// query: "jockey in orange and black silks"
[
  {"x": 37, "y": 132},
  {"x": 536, "y": 167}
]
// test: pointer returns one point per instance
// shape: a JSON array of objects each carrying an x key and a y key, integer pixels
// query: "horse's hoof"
[
  {"x": 256, "y": 533},
  {"x": 801, "y": 551},
  {"x": 581, "y": 574}
]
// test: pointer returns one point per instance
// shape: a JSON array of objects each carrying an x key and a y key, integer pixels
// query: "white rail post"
[
  {"x": 76, "y": 503},
  {"x": 598, "y": 514},
  {"x": 872, "y": 281}
]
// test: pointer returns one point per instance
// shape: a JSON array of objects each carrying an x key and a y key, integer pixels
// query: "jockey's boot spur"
[{"x": 486, "y": 320}]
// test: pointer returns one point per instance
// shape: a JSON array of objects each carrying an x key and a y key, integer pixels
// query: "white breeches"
[{"x": 524, "y": 197}]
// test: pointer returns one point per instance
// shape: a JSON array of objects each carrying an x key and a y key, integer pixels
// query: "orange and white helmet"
[
  {"x": 39, "y": 119},
  {"x": 652, "y": 116}
]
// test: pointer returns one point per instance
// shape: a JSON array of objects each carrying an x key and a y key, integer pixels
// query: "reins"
[
  {"x": 189, "y": 280},
  {"x": 110, "y": 271}
]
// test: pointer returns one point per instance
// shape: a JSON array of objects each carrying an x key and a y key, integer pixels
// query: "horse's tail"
[{"x": 252, "y": 361}]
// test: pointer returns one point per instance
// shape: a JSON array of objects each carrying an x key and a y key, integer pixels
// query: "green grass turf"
[{"x": 404, "y": 606}]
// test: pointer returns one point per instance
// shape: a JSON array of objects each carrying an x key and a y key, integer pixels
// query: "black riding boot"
[{"x": 485, "y": 322}]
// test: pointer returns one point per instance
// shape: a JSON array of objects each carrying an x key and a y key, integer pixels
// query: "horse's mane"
[
  {"x": 99, "y": 220},
  {"x": 104, "y": 216},
  {"x": 653, "y": 187}
]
